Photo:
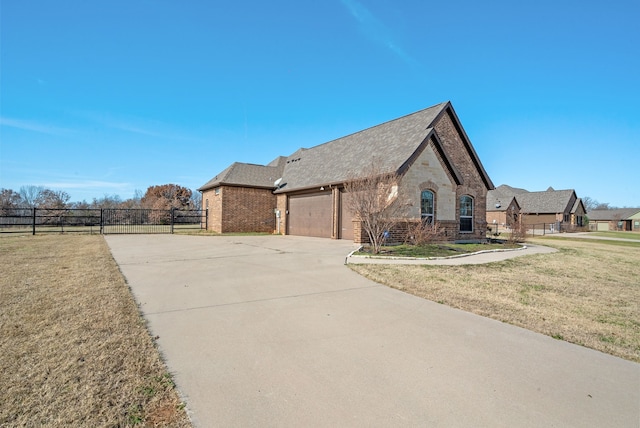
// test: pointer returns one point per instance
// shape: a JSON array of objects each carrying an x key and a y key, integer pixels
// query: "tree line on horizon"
[
  {"x": 160, "y": 197},
  {"x": 591, "y": 204}
]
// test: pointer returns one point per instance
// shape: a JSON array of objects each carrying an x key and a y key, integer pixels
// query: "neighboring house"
[
  {"x": 304, "y": 194},
  {"x": 503, "y": 211},
  {"x": 615, "y": 219},
  {"x": 560, "y": 209}
]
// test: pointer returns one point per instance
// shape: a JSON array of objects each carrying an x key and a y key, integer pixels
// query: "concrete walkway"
[{"x": 276, "y": 332}]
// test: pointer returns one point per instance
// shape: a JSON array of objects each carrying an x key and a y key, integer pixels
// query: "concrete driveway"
[{"x": 276, "y": 331}]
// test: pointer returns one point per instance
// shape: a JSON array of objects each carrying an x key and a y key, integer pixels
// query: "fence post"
[
  {"x": 206, "y": 219},
  {"x": 172, "y": 213},
  {"x": 33, "y": 221},
  {"x": 101, "y": 221}
]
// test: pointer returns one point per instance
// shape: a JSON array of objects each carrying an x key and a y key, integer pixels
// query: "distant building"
[
  {"x": 627, "y": 219},
  {"x": 561, "y": 208}
]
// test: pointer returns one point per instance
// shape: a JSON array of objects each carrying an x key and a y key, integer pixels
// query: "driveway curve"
[{"x": 276, "y": 331}]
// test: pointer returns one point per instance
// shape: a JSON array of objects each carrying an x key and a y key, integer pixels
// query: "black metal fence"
[
  {"x": 538, "y": 229},
  {"x": 103, "y": 221}
]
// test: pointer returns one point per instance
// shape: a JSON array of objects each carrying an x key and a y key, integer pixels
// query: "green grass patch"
[
  {"x": 620, "y": 235},
  {"x": 548, "y": 241}
]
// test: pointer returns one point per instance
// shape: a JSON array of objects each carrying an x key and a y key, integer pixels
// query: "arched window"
[
  {"x": 466, "y": 213},
  {"x": 427, "y": 206}
]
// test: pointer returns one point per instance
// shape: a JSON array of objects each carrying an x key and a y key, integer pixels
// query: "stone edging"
[{"x": 457, "y": 256}]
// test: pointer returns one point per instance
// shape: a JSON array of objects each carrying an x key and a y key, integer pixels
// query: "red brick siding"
[
  {"x": 472, "y": 184},
  {"x": 531, "y": 219},
  {"x": 240, "y": 209},
  {"x": 398, "y": 235},
  {"x": 247, "y": 209}
]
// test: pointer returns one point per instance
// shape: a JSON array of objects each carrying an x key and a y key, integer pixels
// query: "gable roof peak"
[
  {"x": 392, "y": 142},
  {"x": 247, "y": 174},
  {"x": 430, "y": 113}
]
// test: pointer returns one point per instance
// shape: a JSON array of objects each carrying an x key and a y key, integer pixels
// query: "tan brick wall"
[
  {"x": 213, "y": 203},
  {"x": 496, "y": 217},
  {"x": 472, "y": 185},
  {"x": 359, "y": 235},
  {"x": 281, "y": 204},
  {"x": 428, "y": 173},
  {"x": 335, "y": 198}
]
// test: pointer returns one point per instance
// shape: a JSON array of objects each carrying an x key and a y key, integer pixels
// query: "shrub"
[{"x": 422, "y": 233}]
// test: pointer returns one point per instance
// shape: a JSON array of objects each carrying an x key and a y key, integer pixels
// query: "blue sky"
[{"x": 108, "y": 97}]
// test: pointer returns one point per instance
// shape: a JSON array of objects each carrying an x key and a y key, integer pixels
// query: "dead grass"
[
  {"x": 588, "y": 293},
  {"x": 75, "y": 349}
]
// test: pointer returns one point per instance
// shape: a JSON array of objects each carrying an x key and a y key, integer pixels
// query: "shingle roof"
[
  {"x": 506, "y": 190},
  {"x": 548, "y": 201},
  {"x": 497, "y": 201},
  {"x": 576, "y": 205},
  {"x": 614, "y": 214},
  {"x": 555, "y": 201},
  {"x": 246, "y": 174},
  {"x": 391, "y": 144}
]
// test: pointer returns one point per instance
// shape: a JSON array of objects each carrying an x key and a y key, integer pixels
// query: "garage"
[
  {"x": 311, "y": 215},
  {"x": 603, "y": 226}
]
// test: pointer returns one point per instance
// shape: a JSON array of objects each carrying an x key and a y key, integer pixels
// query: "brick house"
[
  {"x": 503, "y": 211},
  {"x": 303, "y": 194},
  {"x": 560, "y": 208}
]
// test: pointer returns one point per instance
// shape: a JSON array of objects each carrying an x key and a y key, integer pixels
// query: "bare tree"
[
  {"x": 196, "y": 200},
  {"x": 603, "y": 206},
  {"x": 374, "y": 201},
  {"x": 518, "y": 230},
  {"x": 30, "y": 195},
  {"x": 10, "y": 199},
  {"x": 589, "y": 203},
  {"x": 55, "y": 199},
  {"x": 167, "y": 196},
  {"x": 107, "y": 201}
]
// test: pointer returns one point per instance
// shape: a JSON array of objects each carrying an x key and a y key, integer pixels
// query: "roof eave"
[
  {"x": 319, "y": 186},
  {"x": 222, "y": 184}
]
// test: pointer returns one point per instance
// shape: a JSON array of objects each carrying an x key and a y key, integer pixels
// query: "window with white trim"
[
  {"x": 427, "y": 206},
  {"x": 466, "y": 213}
]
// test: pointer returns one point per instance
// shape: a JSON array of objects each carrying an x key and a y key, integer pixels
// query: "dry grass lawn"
[
  {"x": 588, "y": 293},
  {"x": 75, "y": 349}
]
